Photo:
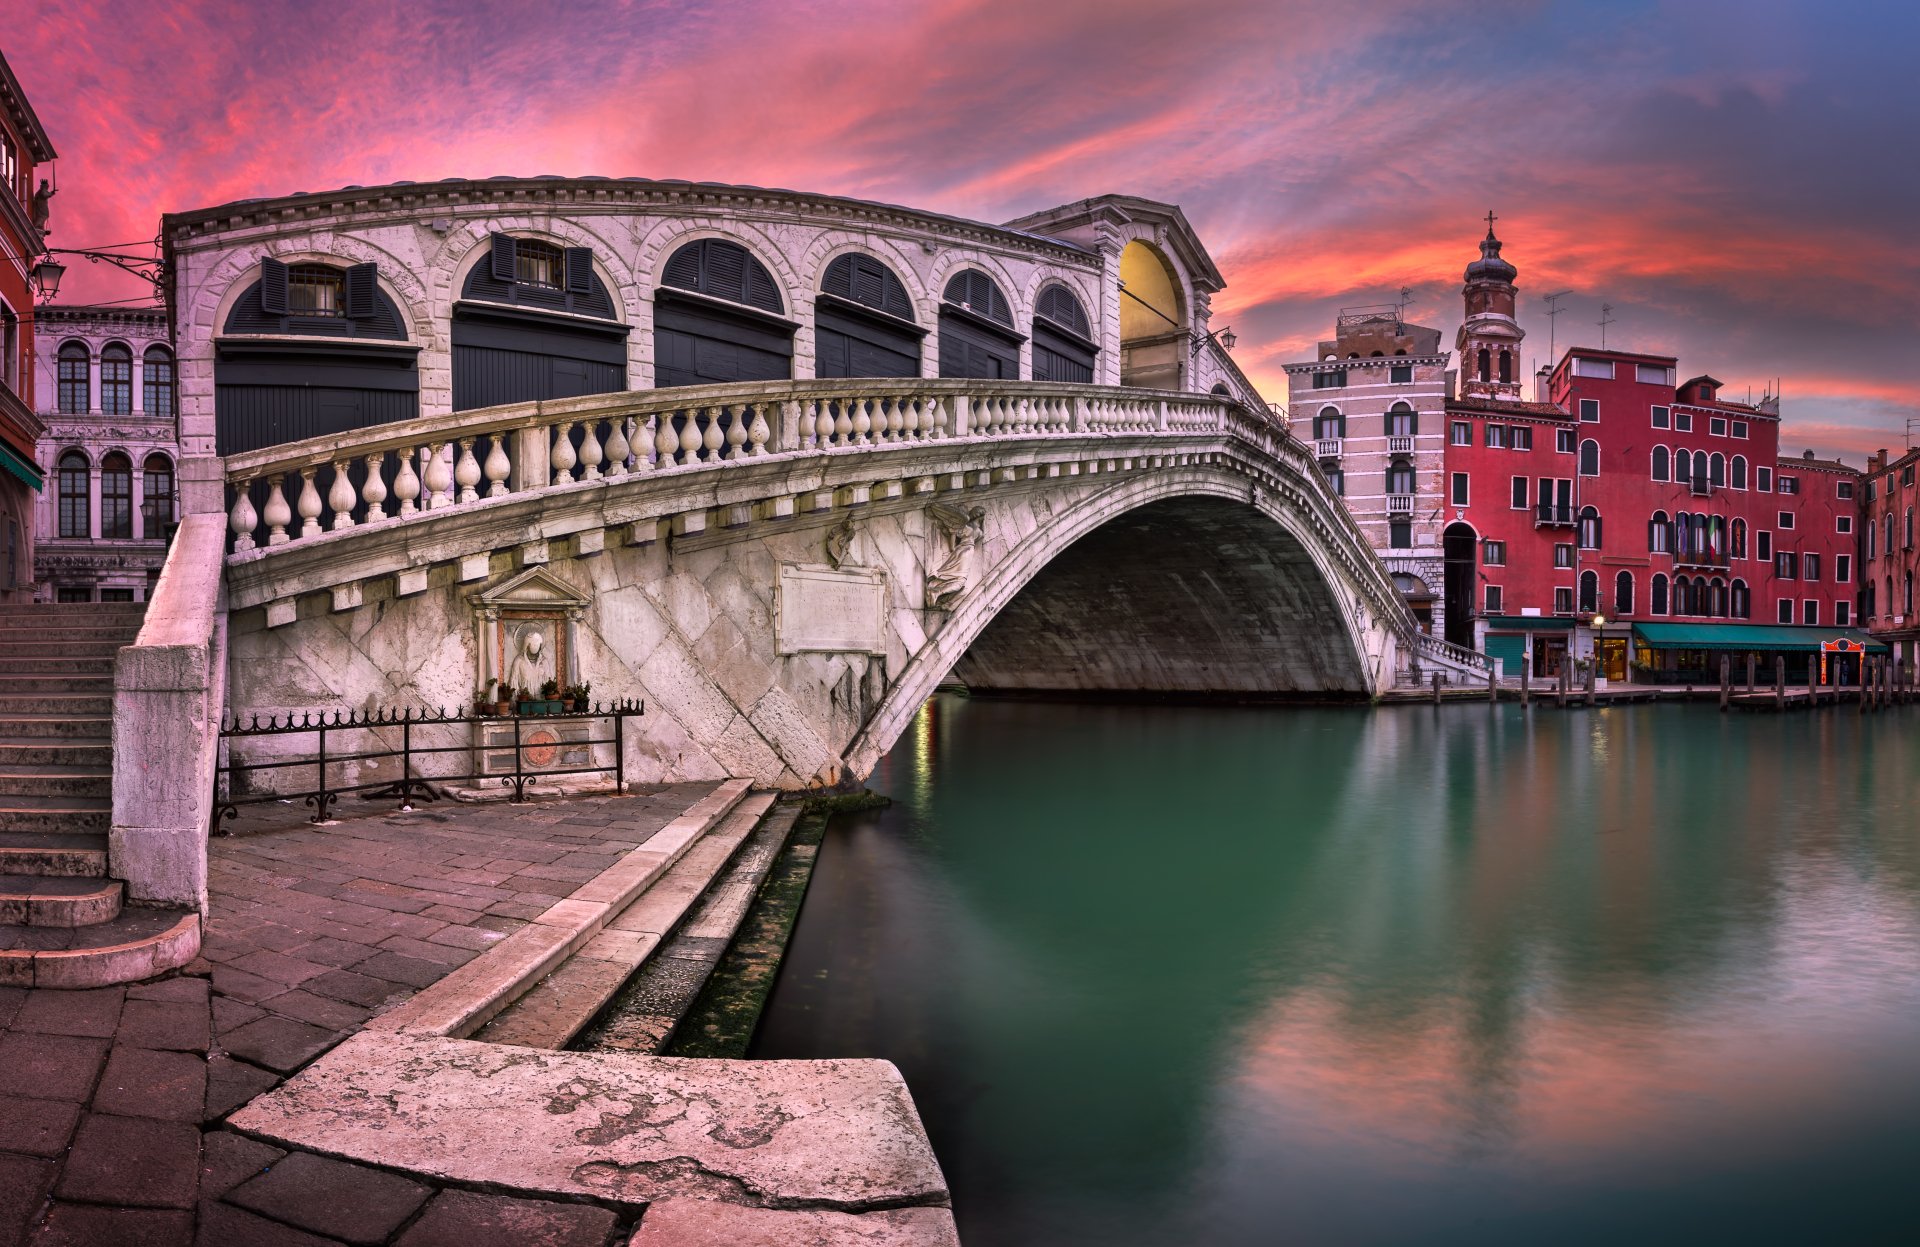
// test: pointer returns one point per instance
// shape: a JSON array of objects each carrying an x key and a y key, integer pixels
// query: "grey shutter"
[
  {"x": 503, "y": 265},
  {"x": 839, "y": 278},
  {"x": 726, "y": 271},
  {"x": 273, "y": 287},
  {"x": 683, "y": 269},
  {"x": 579, "y": 270},
  {"x": 363, "y": 302}
]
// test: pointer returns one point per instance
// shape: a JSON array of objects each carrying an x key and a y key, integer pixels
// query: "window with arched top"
[
  {"x": 863, "y": 322},
  {"x": 1739, "y": 473},
  {"x": 1657, "y": 603},
  {"x": 1589, "y": 528},
  {"x": 1737, "y": 539},
  {"x": 74, "y": 379},
  {"x": 1589, "y": 458},
  {"x": 1329, "y": 424},
  {"x": 116, "y": 379},
  {"x": 1485, "y": 361},
  {"x": 719, "y": 318},
  {"x": 1506, "y": 365},
  {"x": 116, "y": 497},
  {"x": 977, "y": 334},
  {"x": 1740, "y": 601},
  {"x": 156, "y": 497},
  {"x": 1063, "y": 346},
  {"x": 1589, "y": 591},
  {"x": 1717, "y": 599},
  {"x": 723, "y": 269},
  {"x": 1682, "y": 467},
  {"x": 1659, "y": 534},
  {"x": 156, "y": 381},
  {"x": 74, "y": 480},
  {"x": 1717, "y": 470},
  {"x": 1623, "y": 593},
  {"x": 1402, "y": 421},
  {"x": 1662, "y": 464},
  {"x": 1400, "y": 477}
]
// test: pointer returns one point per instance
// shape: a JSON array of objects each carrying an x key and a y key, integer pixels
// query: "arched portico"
[{"x": 1154, "y": 319}]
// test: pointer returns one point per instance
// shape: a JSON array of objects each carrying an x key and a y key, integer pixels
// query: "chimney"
[
  {"x": 1877, "y": 460},
  {"x": 1543, "y": 385}
]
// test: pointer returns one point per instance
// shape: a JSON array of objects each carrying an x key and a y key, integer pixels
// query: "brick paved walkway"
[{"x": 111, "y": 1101}]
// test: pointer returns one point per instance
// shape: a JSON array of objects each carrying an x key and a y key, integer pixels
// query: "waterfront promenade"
[{"x": 115, "y": 1101}]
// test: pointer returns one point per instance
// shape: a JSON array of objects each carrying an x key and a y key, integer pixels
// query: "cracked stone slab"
[{"x": 829, "y": 1135}]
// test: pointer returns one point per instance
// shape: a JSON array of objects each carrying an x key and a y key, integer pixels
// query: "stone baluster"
[
  {"x": 665, "y": 440},
  {"x": 758, "y": 432},
  {"x": 712, "y": 437},
  {"x": 842, "y": 423},
  {"x": 466, "y": 472},
  {"x": 897, "y": 419},
  {"x": 618, "y": 448},
  {"x": 340, "y": 497},
  {"x": 498, "y": 467},
  {"x": 646, "y": 437},
  {"x": 736, "y": 431},
  {"x": 824, "y": 423},
  {"x": 690, "y": 438},
  {"x": 309, "y": 504},
  {"x": 862, "y": 423},
  {"x": 934, "y": 408},
  {"x": 406, "y": 484},
  {"x": 590, "y": 451},
  {"x": 910, "y": 424},
  {"x": 439, "y": 478},
  {"x": 277, "y": 513},
  {"x": 242, "y": 519},
  {"x": 374, "y": 491},
  {"x": 562, "y": 457}
]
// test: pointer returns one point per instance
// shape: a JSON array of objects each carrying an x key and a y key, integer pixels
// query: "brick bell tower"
[{"x": 1488, "y": 343}]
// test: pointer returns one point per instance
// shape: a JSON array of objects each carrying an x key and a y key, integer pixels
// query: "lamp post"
[
  {"x": 1224, "y": 337},
  {"x": 48, "y": 271}
]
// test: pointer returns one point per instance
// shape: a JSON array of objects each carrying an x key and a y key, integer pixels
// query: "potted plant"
[
  {"x": 549, "y": 697},
  {"x": 583, "y": 695},
  {"x": 483, "y": 700},
  {"x": 502, "y": 697},
  {"x": 566, "y": 698},
  {"x": 524, "y": 702}
]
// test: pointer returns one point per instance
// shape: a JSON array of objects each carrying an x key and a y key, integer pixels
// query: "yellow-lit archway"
[{"x": 1153, "y": 320}]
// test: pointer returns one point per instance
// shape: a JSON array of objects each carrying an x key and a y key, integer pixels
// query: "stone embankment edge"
[{"x": 468, "y": 998}]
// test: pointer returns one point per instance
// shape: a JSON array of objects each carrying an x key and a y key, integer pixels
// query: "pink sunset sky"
[{"x": 1735, "y": 180}]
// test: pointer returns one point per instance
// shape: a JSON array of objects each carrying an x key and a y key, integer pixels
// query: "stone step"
[
  {"x": 84, "y": 614},
  {"x": 54, "y": 815},
  {"x": 77, "y": 728},
  {"x": 58, "y": 900},
  {"x": 108, "y": 634},
  {"x": 14, "y": 683},
  {"x": 139, "y": 942},
  {"x": 23, "y": 664},
  {"x": 561, "y": 1005},
  {"x": 14, "y": 706},
  {"x": 56, "y": 642},
  {"x": 55, "y": 781},
  {"x": 91, "y": 755},
  {"x": 54, "y": 855}
]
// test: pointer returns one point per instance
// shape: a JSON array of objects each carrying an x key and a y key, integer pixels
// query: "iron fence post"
[
  {"x": 619, "y": 749},
  {"x": 406, "y": 760}
]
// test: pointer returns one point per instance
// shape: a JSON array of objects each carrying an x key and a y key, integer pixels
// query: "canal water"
[{"x": 1162, "y": 975}]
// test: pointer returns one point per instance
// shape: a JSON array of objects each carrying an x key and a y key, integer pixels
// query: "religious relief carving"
[
  {"x": 962, "y": 532},
  {"x": 839, "y": 541},
  {"x": 525, "y": 630}
]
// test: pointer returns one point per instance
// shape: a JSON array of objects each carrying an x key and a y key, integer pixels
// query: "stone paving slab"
[
  {"x": 704, "y": 1223},
  {"x": 831, "y": 1134}
]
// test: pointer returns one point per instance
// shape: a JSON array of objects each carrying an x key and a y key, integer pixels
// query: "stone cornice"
[
  {"x": 585, "y": 196},
  {"x": 1326, "y": 365}
]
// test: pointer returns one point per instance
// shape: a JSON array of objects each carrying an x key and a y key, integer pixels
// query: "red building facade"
[
  {"x": 24, "y": 146},
  {"x": 1592, "y": 523},
  {"x": 1889, "y": 552}
]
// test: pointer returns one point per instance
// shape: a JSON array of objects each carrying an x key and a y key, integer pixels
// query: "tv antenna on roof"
[
  {"x": 1553, "y": 310},
  {"x": 1407, "y": 296},
  {"x": 1606, "y": 318}
]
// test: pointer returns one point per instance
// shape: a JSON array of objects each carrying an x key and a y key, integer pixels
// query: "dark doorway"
[
  {"x": 863, "y": 322},
  {"x": 718, "y": 318},
  {"x": 1458, "y": 547},
  {"x": 977, "y": 337}
]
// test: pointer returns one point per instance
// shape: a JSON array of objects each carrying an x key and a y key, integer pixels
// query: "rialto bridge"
[{"x": 777, "y": 465}]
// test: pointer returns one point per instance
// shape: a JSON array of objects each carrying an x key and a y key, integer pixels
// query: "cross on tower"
[{"x": 1490, "y": 220}]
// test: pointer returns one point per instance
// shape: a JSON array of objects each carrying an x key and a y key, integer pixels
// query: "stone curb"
[
  {"x": 103, "y": 967},
  {"x": 469, "y": 997}
]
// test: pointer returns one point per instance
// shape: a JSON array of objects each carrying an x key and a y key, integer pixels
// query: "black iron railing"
[{"x": 515, "y": 741}]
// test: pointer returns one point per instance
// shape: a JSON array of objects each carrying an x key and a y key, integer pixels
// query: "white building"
[{"x": 106, "y": 391}]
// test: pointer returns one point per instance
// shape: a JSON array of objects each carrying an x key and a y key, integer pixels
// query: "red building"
[
  {"x": 1889, "y": 556},
  {"x": 23, "y": 147},
  {"x": 1648, "y": 524}
]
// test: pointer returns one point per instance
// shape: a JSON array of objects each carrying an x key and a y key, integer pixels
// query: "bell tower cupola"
[{"x": 1488, "y": 344}]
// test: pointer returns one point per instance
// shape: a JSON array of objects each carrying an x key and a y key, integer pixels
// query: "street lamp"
[
  {"x": 46, "y": 277},
  {"x": 1225, "y": 337},
  {"x": 48, "y": 271}
]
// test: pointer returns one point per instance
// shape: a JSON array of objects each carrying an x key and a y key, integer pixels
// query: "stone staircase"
[{"x": 63, "y": 922}]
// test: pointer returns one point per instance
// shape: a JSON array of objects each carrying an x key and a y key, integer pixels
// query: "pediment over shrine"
[{"x": 536, "y": 588}]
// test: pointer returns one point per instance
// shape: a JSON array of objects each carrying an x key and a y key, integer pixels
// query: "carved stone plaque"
[{"x": 819, "y": 609}]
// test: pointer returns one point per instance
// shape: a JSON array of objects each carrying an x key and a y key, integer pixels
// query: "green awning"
[
  {"x": 26, "y": 469},
  {"x": 1529, "y": 623},
  {"x": 1780, "y": 638}
]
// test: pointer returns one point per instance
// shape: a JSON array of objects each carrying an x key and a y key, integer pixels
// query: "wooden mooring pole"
[
  {"x": 1436, "y": 688},
  {"x": 1751, "y": 660},
  {"x": 1526, "y": 674},
  {"x": 1493, "y": 679},
  {"x": 1726, "y": 682},
  {"x": 1779, "y": 682}
]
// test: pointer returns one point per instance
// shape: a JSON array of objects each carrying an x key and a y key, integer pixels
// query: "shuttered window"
[
  {"x": 976, "y": 292},
  {"x": 865, "y": 280},
  {"x": 535, "y": 273},
  {"x": 724, "y": 270},
  {"x": 1063, "y": 348},
  {"x": 317, "y": 299}
]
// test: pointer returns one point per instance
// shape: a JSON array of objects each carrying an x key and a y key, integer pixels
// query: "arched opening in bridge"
[
  {"x": 718, "y": 317},
  {"x": 863, "y": 322},
  {"x": 1419, "y": 599},
  {"x": 1153, "y": 320},
  {"x": 1457, "y": 551},
  {"x": 1185, "y": 597},
  {"x": 534, "y": 321}
]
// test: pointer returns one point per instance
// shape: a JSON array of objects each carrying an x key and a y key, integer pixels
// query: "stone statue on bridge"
[{"x": 964, "y": 530}]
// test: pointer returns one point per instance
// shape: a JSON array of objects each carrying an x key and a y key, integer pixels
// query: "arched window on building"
[
  {"x": 1506, "y": 365},
  {"x": 1906, "y": 596},
  {"x": 75, "y": 479},
  {"x": 1589, "y": 458},
  {"x": 1866, "y": 597},
  {"x": 1589, "y": 591},
  {"x": 1658, "y": 605},
  {"x": 1486, "y": 364},
  {"x": 1717, "y": 470},
  {"x": 1737, "y": 542},
  {"x": 116, "y": 380},
  {"x": 1891, "y": 600},
  {"x": 156, "y": 497},
  {"x": 1589, "y": 528},
  {"x": 74, "y": 379},
  {"x": 977, "y": 336},
  {"x": 1659, "y": 534},
  {"x": 1623, "y": 593},
  {"x": 863, "y": 324},
  {"x": 1063, "y": 346},
  {"x": 1329, "y": 424},
  {"x": 1717, "y": 537},
  {"x": 720, "y": 318},
  {"x": 1739, "y": 472},
  {"x": 1402, "y": 421},
  {"x": 1741, "y": 600},
  {"x": 1400, "y": 477},
  {"x": 1682, "y": 535},
  {"x": 1717, "y": 607},
  {"x": 1908, "y": 543},
  {"x": 116, "y": 497},
  {"x": 156, "y": 381},
  {"x": 1662, "y": 464}
]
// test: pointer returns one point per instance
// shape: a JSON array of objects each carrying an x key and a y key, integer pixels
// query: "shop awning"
[
  {"x": 1775, "y": 638},
  {"x": 26, "y": 469},
  {"x": 1529, "y": 623}
]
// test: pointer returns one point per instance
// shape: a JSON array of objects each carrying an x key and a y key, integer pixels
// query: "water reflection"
[{"x": 1164, "y": 975}]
